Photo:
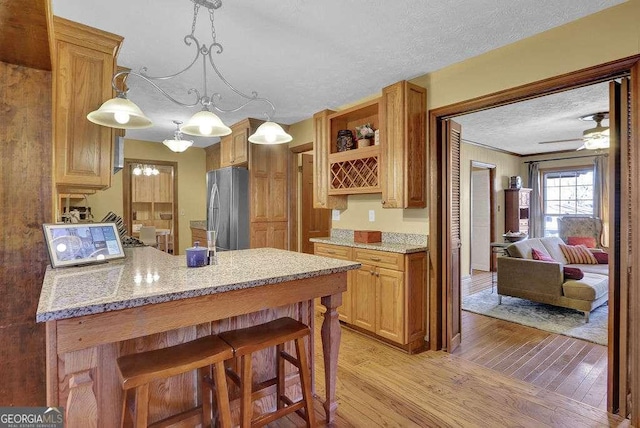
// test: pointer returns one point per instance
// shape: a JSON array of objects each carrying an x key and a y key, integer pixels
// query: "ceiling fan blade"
[{"x": 560, "y": 141}]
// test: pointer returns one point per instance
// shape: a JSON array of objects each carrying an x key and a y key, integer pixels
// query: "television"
[{"x": 71, "y": 244}]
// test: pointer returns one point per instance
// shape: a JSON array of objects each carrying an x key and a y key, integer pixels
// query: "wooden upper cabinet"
[
  {"x": 403, "y": 137},
  {"x": 234, "y": 148},
  {"x": 321, "y": 172},
  {"x": 85, "y": 61}
]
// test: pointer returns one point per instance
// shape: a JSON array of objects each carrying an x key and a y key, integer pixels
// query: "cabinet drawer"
[
  {"x": 380, "y": 258},
  {"x": 333, "y": 251}
]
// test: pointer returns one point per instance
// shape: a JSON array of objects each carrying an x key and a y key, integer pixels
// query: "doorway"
[
  {"x": 150, "y": 198},
  {"x": 481, "y": 213},
  {"x": 446, "y": 312}
]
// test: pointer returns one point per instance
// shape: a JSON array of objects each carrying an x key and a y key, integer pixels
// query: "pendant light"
[
  {"x": 270, "y": 133},
  {"x": 178, "y": 145}
]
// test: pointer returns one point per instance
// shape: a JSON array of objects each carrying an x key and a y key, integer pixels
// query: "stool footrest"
[
  {"x": 270, "y": 417},
  {"x": 294, "y": 361},
  {"x": 190, "y": 417}
]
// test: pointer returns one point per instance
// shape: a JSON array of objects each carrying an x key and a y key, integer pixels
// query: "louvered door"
[{"x": 453, "y": 133}]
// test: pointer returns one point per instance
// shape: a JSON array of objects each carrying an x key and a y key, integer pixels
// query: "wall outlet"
[
  {"x": 372, "y": 215},
  {"x": 335, "y": 215}
]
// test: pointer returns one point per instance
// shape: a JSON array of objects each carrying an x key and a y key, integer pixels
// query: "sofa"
[{"x": 519, "y": 275}]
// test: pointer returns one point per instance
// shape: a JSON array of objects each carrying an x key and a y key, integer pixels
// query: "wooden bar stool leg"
[
  {"x": 142, "y": 405},
  {"x": 204, "y": 373},
  {"x": 222, "y": 395},
  {"x": 280, "y": 379},
  {"x": 125, "y": 410},
  {"x": 246, "y": 404},
  {"x": 305, "y": 382}
]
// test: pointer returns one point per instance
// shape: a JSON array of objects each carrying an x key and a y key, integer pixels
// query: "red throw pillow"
[
  {"x": 539, "y": 255},
  {"x": 602, "y": 258},
  {"x": 587, "y": 241},
  {"x": 578, "y": 254},
  {"x": 572, "y": 273}
]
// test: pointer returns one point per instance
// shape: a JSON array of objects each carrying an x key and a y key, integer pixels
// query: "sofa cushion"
[
  {"x": 571, "y": 272},
  {"x": 599, "y": 269},
  {"x": 587, "y": 241},
  {"x": 590, "y": 287},
  {"x": 552, "y": 245},
  {"x": 522, "y": 249},
  {"x": 578, "y": 254}
]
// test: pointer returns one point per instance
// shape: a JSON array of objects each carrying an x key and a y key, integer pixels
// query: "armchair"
[{"x": 580, "y": 226}]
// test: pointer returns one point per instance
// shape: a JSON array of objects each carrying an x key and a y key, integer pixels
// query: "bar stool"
[
  {"x": 138, "y": 370},
  {"x": 276, "y": 333}
]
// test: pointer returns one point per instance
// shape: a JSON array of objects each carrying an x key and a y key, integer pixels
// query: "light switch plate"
[
  {"x": 372, "y": 215},
  {"x": 335, "y": 215}
]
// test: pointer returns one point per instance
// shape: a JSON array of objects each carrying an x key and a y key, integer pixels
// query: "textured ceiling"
[
  {"x": 521, "y": 127},
  {"x": 307, "y": 55}
]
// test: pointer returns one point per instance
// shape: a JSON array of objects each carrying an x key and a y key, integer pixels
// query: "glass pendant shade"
[
  {"x": 270, "y": 133},
  {"x": 178, "y": 146},
  {"x": 120, "y": 113},
  {"x": 205, "y": 124}
]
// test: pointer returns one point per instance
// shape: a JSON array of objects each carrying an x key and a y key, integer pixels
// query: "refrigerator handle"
[{"x": 214, "y": 208}]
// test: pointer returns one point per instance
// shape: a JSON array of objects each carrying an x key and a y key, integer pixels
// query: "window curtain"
[
  {"x": 601, "y": 195},
  {"x": 535, "y": 205}
]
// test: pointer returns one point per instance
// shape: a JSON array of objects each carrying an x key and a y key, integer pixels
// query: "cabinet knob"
[
  {"x": 377, "y": 274},
  {"x": 372, "y": 272}
]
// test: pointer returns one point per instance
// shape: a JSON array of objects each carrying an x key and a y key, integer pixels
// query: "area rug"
[{"x": 554, "y": 319}]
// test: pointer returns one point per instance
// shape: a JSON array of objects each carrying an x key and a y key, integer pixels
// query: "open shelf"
[{"x": 357, "y": 170}]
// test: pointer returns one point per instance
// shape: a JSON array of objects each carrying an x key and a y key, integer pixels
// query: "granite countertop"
[
  {"x": 198, "y": 224},
  {"x": 392, "y": 242},
  {"x": 147, "y": 275},
  {"x": 380, "y": 246}
]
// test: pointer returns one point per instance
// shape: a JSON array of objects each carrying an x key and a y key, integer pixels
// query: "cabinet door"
[
  {"x": 259, "y": 182},
  {"x": 278, "y": 182},
  {"x": 82, "y": 148},
  {"x": 142, "y": 189},
  {"x": 278, "y": 235},
  {"x": 390, "y": 304},
  {"x": 404, "y": 177},
  {"x": 343, "y": 253},
  {"x": 240, "y": 144},
  {"x": 163, "y": 186},
  {"x": 321, "y": 144},
  {"x": 364, "y": 298},
  {"x": 259, "y": 235},
  {"x": 226, "y": 151}
]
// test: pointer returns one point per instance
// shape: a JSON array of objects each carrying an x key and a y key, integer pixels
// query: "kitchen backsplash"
[{"x": 389, "y": 237}]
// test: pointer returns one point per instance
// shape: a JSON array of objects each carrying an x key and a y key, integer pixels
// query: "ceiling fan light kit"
[
  {"x": 597, "y": 137},
  {"x": 122, "y": 113}
]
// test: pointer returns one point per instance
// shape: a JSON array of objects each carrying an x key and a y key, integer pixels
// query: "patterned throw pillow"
[
  {"x": 578, "y": 254},
  {"x": 572, "y": 273},
  {"x": 539, "y": 255},
  {"x": 587, "y": 241}
]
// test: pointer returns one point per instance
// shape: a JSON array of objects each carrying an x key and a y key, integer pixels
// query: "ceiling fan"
[{"x": 592, "y": 138}]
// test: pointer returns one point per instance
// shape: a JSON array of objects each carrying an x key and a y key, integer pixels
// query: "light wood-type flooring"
[{"x": 503, "y": 375}]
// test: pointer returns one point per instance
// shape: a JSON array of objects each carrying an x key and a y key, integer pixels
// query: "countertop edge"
[
  {"x": 62, "y": 314},
  {"x": 378, "y": 246}
]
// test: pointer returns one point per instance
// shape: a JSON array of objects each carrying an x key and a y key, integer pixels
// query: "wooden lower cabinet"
[
  {"x": 387, "y": 296},
  {"x": 200, "y": 236}
]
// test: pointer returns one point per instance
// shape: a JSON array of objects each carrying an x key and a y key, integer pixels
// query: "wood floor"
[{"x": 503, "y": 374}]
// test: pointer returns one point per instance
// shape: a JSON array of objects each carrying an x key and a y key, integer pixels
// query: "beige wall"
[
  {"x": 506, "y": 166},
  {"x": 611, "y": 34},
  {"x": 192, "y": 186}
]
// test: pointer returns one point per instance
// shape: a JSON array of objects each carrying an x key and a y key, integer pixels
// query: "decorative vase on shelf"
[
  {"x": 364, "y": 142},
  {"x": 345, "y": 140}
]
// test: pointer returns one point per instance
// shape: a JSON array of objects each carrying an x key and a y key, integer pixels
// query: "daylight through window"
[{"x": 567, "y": 192}]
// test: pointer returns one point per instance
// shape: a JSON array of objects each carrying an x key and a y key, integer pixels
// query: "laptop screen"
[{"x": 72, "y": 244}]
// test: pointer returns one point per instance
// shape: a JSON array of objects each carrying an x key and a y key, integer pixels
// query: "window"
[{"x": 565, "y": 193}]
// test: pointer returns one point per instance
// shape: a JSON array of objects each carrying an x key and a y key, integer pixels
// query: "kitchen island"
[{"x": 150, "y": 299}]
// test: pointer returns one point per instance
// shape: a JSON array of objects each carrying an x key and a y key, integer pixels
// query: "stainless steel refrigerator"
[{"x": 228, "y": 207}]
